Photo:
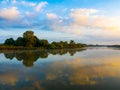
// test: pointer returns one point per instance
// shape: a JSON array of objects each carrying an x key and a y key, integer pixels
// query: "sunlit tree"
[{"x": 29, "y": 38}]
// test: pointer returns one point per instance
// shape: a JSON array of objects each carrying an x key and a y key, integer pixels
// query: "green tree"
[
  {"x": 51, "y": 46},
  {"x": 72, "y": 44},
  {"x": 36, "y": 41},
  {"x": 29, "y": 38},
  {"x": 44, "y": 43},
  {"x": 20, "y": 41},
  {"x": 9, "y": 41},
  {"x": 65, "y": 44}
]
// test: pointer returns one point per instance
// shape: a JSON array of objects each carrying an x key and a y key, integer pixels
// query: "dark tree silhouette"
[{"x": 9, "y": 41}]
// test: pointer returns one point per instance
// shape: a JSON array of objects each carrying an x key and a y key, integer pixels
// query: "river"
[{"x": 93, "y": 68}]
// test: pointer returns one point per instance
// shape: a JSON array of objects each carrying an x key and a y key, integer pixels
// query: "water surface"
[{"x": 87, "y": 69}]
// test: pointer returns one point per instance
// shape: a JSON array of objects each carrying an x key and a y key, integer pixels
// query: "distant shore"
[{"x": 31, "y": 42}]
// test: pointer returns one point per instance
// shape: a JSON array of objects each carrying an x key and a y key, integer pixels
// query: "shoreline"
[{"x": 15, "y": 48}]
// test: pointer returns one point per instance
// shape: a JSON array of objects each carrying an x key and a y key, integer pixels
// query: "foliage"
[
  {"x": 20, "y": 41},
  {"x": 29, "y": 40},
  {"x": 9, "y": 41},
  {"x": 44, "y": 43}
]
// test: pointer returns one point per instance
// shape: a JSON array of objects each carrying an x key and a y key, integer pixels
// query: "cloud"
[
  {"x": 70, "y": 29},
  {"x": 80, "y": 22},
  {"x": 85, "y": 73},
  {"x": 28, "y": 3},
  {"x": 29, "y": 14},
  {"x": 84, "y": 11},
  {"x": 8, "y": 78},
  {"x": 82, "y": 16},
  {"x": 92, "y": 19},
  {"x": 51, "y": 16},
  {"x": 40, "y": 6},
  {"x": 23, "y": 3},
  {"x": 9, "y": 13},
  {"x": 14, "y": 1},
  {"x": 106, "y": 23},
  {"x": 86, "y": 23}
]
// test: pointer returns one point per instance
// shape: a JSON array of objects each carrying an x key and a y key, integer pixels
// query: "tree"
[
  {"x": 65, "y": 44},
  {"x": 20, "y": 41},
  {"x": 36, "y": 41},
  {"x": 29, "y": 38},
  {"x": 44, "y": 43},
  {"x": 52, "y": 46},
  {"x": 9, "y": 41},
  {"x": 72, "y": 44}
]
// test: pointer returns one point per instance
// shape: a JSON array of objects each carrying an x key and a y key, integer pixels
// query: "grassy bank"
[
  {"x": 21, "y": 48},
  {"x": 7, "y": 48}
]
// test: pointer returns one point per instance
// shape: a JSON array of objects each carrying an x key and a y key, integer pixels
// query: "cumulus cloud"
[
  {"x": 40, "y": 6},
  {"x": 80, "y": 22},
  {"x": 9, "y": 13},
  {"x": 51, "y": 16},
  {"x": 83, "y": 17},
  {"x": 91, "y": 18},
  {"x": 87, "y": 22}
]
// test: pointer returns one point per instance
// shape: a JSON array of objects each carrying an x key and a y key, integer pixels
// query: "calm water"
[{"x": 89, "y": 69}]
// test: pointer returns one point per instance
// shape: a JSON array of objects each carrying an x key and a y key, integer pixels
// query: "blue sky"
[{"x": 86, "y": 21}]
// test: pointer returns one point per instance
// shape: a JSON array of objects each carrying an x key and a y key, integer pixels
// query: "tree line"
[{"x": 30, "y": 40}]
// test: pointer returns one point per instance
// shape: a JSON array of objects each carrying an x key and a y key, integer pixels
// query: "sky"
[{"x": 85, "y": 21}]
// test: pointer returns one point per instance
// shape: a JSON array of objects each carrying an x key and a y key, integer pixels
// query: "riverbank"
[
  {"x": 20, "y": 48},
  {"x": 9, "y": 48}
]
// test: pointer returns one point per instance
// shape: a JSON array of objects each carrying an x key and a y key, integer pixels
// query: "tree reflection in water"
[
  {"x": 88, "y": 70},
  {"x": 29, "y": 57}
]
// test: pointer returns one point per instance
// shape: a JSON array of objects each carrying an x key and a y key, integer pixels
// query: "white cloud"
[
  {"x": 21, "y": 2},
  {"x": 14, "y": 1},
  {"x": 82, "y": 16},
  {"x": 75, "y": 23},
  {"x": 91, "y": 18},
  {"x": 9, "y": 13},
  {"x": 29, "y": 14},
  {"x": 88, "y": 22},
  {"x": 84, "y": 11},
  {"x": 67, "y": 28},
  {"x": 28, "y": 3},
  {"x": 40, "y": 6},
  {"x": 51, "y": 16}
]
